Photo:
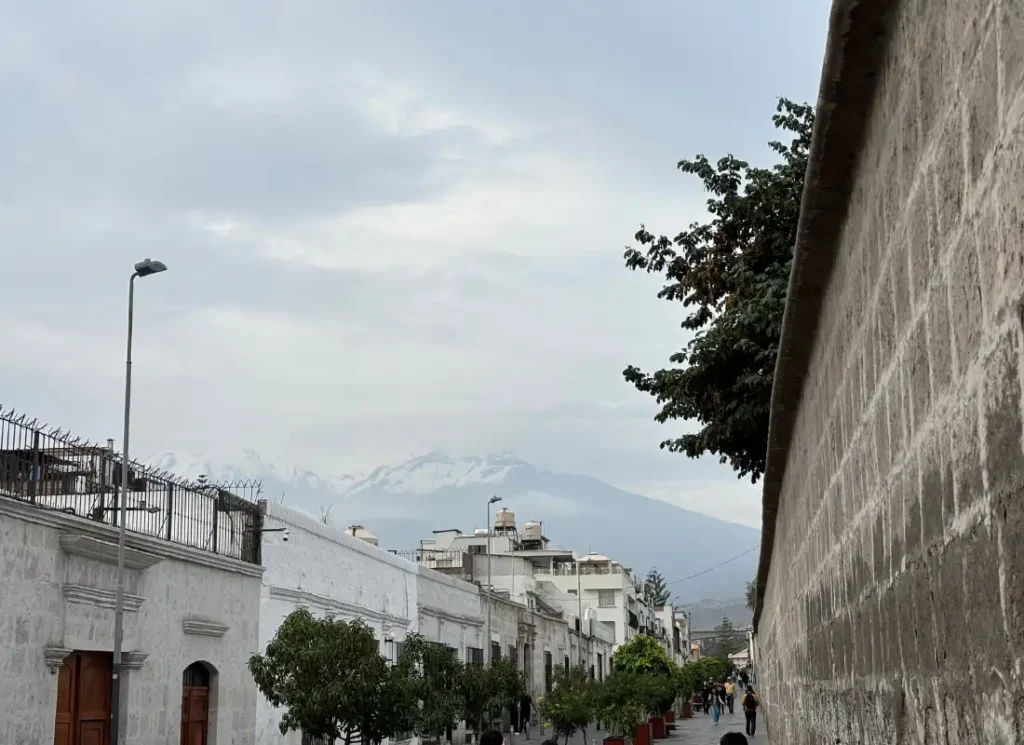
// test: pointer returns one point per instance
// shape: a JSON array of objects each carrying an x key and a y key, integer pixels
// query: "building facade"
[{"x": 191, "y": 611}]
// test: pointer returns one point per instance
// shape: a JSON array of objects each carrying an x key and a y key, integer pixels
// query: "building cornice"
[
  {"x": 163, "y": 549},
  {"x": 426, "y": 610},
  {"x": 100, "y": 598},
  {"x": 203, "y": 627},
  {"x": 333, "y": 605},
  {"x": 106, "y": 552}
]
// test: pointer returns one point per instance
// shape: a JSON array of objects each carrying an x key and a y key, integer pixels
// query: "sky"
[{"x": 390, "y": 227}]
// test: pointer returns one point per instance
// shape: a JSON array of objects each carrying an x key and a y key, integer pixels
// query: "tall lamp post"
[
  {"x": 490, "y": 530},
  {"x": 144, "y": 268}
]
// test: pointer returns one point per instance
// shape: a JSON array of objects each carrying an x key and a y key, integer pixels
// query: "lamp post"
[
  {"x": 144, "y": 268},
  {"x": 490, "y": 530}
]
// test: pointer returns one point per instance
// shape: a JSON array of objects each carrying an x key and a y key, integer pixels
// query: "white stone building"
[{"x": 191, "y": 612}]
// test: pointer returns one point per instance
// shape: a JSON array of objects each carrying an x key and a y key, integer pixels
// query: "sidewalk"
[{"x": 696, "y": 731}]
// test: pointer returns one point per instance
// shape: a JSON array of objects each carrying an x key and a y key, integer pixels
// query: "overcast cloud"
[{"x": 391, "y": 227}]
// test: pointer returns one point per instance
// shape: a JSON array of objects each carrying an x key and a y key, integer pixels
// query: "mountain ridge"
[{"x": 405, "y": 502}]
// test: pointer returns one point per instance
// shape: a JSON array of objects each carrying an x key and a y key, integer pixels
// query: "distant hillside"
[
  {"x": 404, "y": 504},
  {"x": 707, "y": 614}
]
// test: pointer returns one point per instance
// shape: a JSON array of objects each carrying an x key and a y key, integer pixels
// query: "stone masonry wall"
[{"x": 894, "y": 605}]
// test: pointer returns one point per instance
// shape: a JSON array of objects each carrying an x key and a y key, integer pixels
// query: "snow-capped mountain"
[{"x": 404, "y": 503}]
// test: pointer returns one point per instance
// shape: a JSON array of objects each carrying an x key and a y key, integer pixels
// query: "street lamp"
[
  {"x": 144, "y": 268},
  {"x": 490, "y": 530}
]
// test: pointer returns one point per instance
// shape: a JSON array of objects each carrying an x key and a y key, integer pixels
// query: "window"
[
  {"x": 606, "y": 598},
  {"x": 547, "y": 672},
  {"x": 495, "y": 651},
  {"x": 572, "y": 592},
  {"x": 567, "y": 662},
  {"x": 592, "y": 672},
  {"x": 477, "y": 550},
  {"x": 476, "y": 656},
  {"x": 600, "y": 666},
  {"x": 513, "y": 656}
]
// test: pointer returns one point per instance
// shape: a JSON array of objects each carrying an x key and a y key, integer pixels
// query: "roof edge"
[{"x": 857, "y": 42}]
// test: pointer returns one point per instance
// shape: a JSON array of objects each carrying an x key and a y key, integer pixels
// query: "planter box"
[
  {"x": 670, "y": 717},
  {"x": 615, "y": 741},
  {"x": 658, "y": 730},
  {"x": 687, "y": 710},
  {"x": 643, "y": 735}
]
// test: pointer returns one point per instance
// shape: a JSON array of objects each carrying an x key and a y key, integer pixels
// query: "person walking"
[
  {"x": 705, "y": 696},
  {"x": 750, "y": 706},
  {"x": 730, "y": 695},
  {"x": 717, "y": 700},
  {"x": 525, "y": 704}
]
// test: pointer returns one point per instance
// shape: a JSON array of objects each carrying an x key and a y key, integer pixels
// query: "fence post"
[
  {"x": 34, "y": 472},
  {"x": 216, "y": 502},
  {"x": 170, "y": 507}
]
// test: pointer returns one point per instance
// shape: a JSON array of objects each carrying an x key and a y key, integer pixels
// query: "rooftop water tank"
[
  {"x": 480, "y": 533},
  {"x": 531, "y": 532},
  {"x": 505, "y": 519}
]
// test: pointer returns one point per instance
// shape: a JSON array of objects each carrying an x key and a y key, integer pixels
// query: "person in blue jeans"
[{"x": 716, "y": 704}]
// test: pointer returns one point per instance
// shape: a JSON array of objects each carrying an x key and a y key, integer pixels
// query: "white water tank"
[
  {"x": 505, "y": 519},
  {"x": 480, "y": 533},
  {"x": 531, "y": 532}
]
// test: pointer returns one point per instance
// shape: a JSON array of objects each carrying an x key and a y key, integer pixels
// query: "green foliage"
[
  {"x": 751, "y": 593},
  {"x": 330, "y": 678},
  {"x": 732, "y": 272},
  {"x": 620, "y": 704},
  {"x": 660, "y": 594},
  {"x": 727, "y": 639},
  {"x": 474, "y": 694},
  {"x": 658, "y": 693},
  {"x": 711, "y": 668},
  {"x": 686, "y": 678},
  {"x": 643, "y": 655},
  {"x": 505, "y": 685},
  {"x": 571, "y": 705},
  {"x": 431, "y": 676}
]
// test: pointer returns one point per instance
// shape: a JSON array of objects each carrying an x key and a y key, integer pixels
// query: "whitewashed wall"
[
  {"x": 328, "y": 572},
  {"x": 182, "y": 606}
]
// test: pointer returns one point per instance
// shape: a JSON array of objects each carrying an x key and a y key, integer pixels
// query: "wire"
[{"x": 711, "y": 569}]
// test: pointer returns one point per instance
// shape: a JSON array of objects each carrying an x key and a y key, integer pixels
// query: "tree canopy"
[
  {"x": 660, "y": 594},
  {"x": 732, "y": 273},
  {"x": 643, "y": 655}
]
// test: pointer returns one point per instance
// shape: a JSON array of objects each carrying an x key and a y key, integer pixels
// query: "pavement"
[{"x": 696, "y": 731}]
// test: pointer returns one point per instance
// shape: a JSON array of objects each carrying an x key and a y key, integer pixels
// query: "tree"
[
  {"x": 751, "y": 593},
  {"x": 727, "y": 639},
  {"x": 474, "y": 695},
  {"x": 505, "y": 687},
  {"x": 619, "y": 703},
  {"x": 643, "y": 655},
  {"x": 329, "y": 676},
  {"x": 660, "y": 594},
  {"x": 571, "y": 705},
  {"x": 432, "y": 675},
  {"x": 733, "y": 273}
]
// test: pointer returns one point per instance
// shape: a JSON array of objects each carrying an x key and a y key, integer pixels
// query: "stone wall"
[
  {"x": 181, "y": 606},
  {"x": 893, "y": 609}
]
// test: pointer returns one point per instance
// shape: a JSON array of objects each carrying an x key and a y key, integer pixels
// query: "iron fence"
[{"x": 51, "y": 469}]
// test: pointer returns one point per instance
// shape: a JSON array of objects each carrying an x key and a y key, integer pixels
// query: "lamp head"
[
  {"x": 494, "y": 499},
  {"x": 150, "y": 266}
]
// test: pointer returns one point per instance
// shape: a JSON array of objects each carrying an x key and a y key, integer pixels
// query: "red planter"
[
  {"x": 615, "y": 741},
  {"x": 670, "y": 717},
  {"x": 658, "y": 730},
  {"x": 687, "y": 710},
  {"x": 643, "y": 735}
]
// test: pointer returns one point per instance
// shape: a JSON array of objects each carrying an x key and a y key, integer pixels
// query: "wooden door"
[
  {"x": 63, "y": 733},
  {"x": 195, "y": 702},
  {"x": 83, "y": 700}
]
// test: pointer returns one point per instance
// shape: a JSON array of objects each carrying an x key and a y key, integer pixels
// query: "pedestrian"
[
  {"x": 750, "y": 705},
  {"x": 716, "y": 705},
  {"x": 732, "y": 738},
  {"x": 730, "y": 694},
  {"x": 525, "y": 702},
  {"x": 705, "y": 697}
]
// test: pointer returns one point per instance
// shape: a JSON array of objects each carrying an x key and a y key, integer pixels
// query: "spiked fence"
[{"x": 51, "y": 469}]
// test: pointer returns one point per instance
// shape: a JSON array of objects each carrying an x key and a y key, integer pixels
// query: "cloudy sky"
[{"x": 391, "y": 227}]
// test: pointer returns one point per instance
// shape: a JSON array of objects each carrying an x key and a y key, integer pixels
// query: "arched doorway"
[{"x": 195, "y": 704}]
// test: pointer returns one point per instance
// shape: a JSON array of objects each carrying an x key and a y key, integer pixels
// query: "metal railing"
[
  {"x": 51, "y": 469},
  {"x": 568, "y": 569}
]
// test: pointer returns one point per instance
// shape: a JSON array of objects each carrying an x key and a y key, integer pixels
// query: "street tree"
[
  {"x": 329, "y": 677},
  {"x": 571, "y": 705},
  {"x": 620, "y": 704},
  {"x": 432, "y": 676},
  {"x": 643, "y": 655},
  {"x": 660, "y": 594},
  {"x": 727, "y": 639},
  {"x": 732, "y": 273}
]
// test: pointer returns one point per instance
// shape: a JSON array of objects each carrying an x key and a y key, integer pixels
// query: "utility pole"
[{"x": 490, "y": 531}]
